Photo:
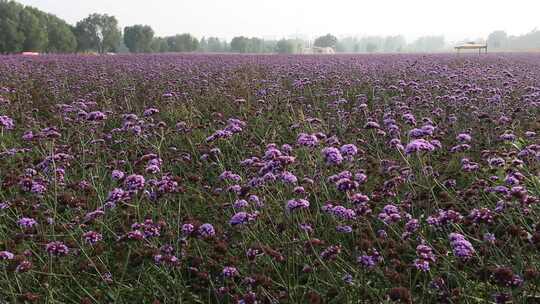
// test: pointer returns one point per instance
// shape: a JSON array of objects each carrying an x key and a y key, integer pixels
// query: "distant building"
[
  {"x": 472, "y": 46},
  {"x": 318, "y": 50}
]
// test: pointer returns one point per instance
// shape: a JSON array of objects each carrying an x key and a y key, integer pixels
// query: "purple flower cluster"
[
  {"x": 26, "y": 222},
  {"x": 419, "y": 145},
  {"x": 370, "y": 260},
  {"x": 444, "y": 217},
  {"x": 206, "y": 230},
  {"x": 145, "y": 230},
  {"x": 425, "y": 257},
  {"x": 230, "y": 272},
  {"x": 242, "y": 217},
  {"x": 307, "y": 140},
  {"x": 462, "y": 248},
  {"x": 92, "y": 237},
  {"x": 295, "y": 204},
  {"x": 339, "y": 211},
  {"x": 6, "y": 123},
  {"x": 390, "y": 214},
  {"x": 134, "y": 182},
  {"x": 332, "y": 156},
  {"x": 57, "y": 248}
]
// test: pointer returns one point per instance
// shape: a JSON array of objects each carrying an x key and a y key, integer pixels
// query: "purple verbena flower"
[
  {"x": 57, "y": 248},
  {"x": 462, "y": 248},
  {"x": 419, "y": 145},
  {"x": 26, "y": 222},
  {"x": 297, "y": 204},
  {"x": 92, "y": 237},
  {"x": 230, "y": 272},
  {"x": 332, "y": 156},
  {"x": 134, "y": 182},
  {"x": 206, "y": 230}
]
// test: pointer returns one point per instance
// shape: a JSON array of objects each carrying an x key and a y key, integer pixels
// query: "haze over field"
[
  {"x": 456, "y": 20},
  {"x": 301, "y": 27}
]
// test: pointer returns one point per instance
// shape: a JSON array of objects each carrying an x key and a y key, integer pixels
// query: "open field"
[{"x": 270, "y": 179}]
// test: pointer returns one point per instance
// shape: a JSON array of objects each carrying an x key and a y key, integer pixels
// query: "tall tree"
[
  {"x": 35, "y": 33},
  {"x": 428, "y": 44},
  {"x": 394, "y": 44},
  {"x": 138, "y": 38},
  {"x": 61, "y": 36},
  {"x": 98, "y": 33},
  {"x": 203, "y": 45},
  {"x": 371, "y": 47},
  {"x": 11, "y": 36},
  {"x": 327, "y": 40},
  {"x": 240, "y": 44},
  {"x": 255, "y": 45},
  {"x": 159, "y": 45},
  {"x": 497, "y": 39},
  {"x": 215, "y": 45},
  {"x": 285, "y": 46},
  {"x": 371, "y": 44},
  {"x": 182, "y": 43}
]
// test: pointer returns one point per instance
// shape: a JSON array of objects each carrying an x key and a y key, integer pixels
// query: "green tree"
[
  {"x": 371, "y": 44},
  {"x": 347, "y": 45},
  {"x": 215, "y": 45},
  {"x": 138, "y": 38},
  {"x": 428, "y": 44},
  {"x": 371, "y": 47},
  {"x": 255, "y": 45},
  {"x": 497, "y": 39},
  {"x": 182, "y": 43},
  {"x": 159, "y": 45},
  {"x": 243, "y": 44},
  {"x": 285, "y": 46},
  {"x": 327, "y": 40},
  {"x": 203, "y": 45},
  {"x": 394, "y": 44},
  {"x": 61, "y": 36},
  {"x": 35, "y": 33},
  {"x": 98, "y": 33},
  {"x": 11, "y": 36},
  {"x": 240, "y": 44}
]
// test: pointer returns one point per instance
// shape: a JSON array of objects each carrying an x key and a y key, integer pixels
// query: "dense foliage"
[
  {"x": 138, "y": 38},
  {"x": 98, "y": 32},
  {"x": 327, "y": 40},
  {"x": 28, "y": 29},
  {"x": 270, "y": 179}
]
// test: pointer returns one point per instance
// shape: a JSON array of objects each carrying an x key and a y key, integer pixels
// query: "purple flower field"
[{"x": 270, "y": 179}]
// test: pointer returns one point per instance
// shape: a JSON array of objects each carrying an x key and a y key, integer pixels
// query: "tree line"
[
  {"x": 500, "y": 40},
  {"x": 29, "y": 29},
  {"x": 24, "y": 28}
]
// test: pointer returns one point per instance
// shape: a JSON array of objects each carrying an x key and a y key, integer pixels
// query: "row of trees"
[
  {"x": 390, "y": 44},
  {"x": 27, "y": 28},
  {"x": 24, "y": 28},
  {"x": 502, "y": 41},
  {"x": 138, "y": 39}
]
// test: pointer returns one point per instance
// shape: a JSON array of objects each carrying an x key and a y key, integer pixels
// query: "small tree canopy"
[
  {"x": 138, "y": 38},
  {"x": 98, "y": 33},
  {"x": 327, "y": 40}
]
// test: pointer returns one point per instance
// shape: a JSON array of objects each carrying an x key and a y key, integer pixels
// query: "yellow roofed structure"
[{"x": 472, "y": 46}]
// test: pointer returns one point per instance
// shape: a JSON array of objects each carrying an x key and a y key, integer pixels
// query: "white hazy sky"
[{"x": 456, "y": 19}]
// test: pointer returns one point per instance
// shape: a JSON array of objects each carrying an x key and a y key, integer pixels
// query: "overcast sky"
[{"x": 456, "y": 19}]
